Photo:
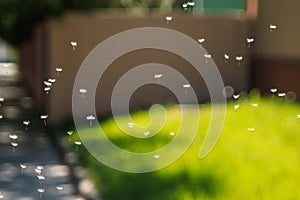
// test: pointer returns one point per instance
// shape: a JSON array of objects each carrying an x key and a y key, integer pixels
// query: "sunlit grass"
[{"x": 245, "y": 164}]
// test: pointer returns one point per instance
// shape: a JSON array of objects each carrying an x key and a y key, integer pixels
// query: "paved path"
[{"x": 33, "y": 169}]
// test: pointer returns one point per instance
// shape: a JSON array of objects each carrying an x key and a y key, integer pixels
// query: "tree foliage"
[{"x": 18, "y": 17}]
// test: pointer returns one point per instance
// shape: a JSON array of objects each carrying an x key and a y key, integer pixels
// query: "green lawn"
[{"x": 263, "y": 163}]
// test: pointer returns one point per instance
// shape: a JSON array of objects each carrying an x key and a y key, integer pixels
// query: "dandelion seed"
[
  {"x": 255, "y": 105},
  {"x": 14, "y": 145},
  {"x": 239, "y": 59},
  {"x": 130, "y": 124},
  {"x": 52, "y": 80},
  {"x": 44, "y": 118},
  {"x": 13, "y": 136},
  {"x": 207, "y": 56},
  {"x": 49, "y": 84},
  {"x": 251, "y": 129},
  {"x": 82, "y": 91},
  {"x": 146, "y": 133},
  {"x": 201, "y": 40},
  {"x": 69, "y": 133},
  {"x": 59, "y": 188},
  {"x": 236, "y": 96},
  {"x": 237, "y": 106},
  {"x": 90, "y": 118},
  {"x": 47, "y": 90},
  {"x": 26, "y": 124},
  {"x": 226, "y": 57},
  {"x": 156, "y": 156},
  {"x": 74, "y": 45},
  {"x": 281, "y": 94},
  {"x": 40, "y": 167},
  {"x": 157, "y": 76},
  {"x": 186, "y": 86},
  {"x": 38, "y": 171},
  {"x": 188, "y": 5},
  {"x": 191, "y": 3},
  {"x": 41, "y": 178},
  {"x": 77, "y": 143},
  {"x": 249, "y": 41},
  {"x": 272, "y": 27},
  {"x": 1, "y": 116},
  {"x": 58, "y": 70},
  {"x": 41, "y": 191},
  {"x": 273, "y": 90},
  {"x": 172, "y": 133},
  {"x": 23, "y": 167},
  {"x": 168, "y": 19}
]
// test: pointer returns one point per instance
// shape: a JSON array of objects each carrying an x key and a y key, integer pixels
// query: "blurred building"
[{"x": 272, "y": 61}]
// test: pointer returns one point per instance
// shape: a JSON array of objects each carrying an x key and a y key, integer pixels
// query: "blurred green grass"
[{"x": 245, "y": 164}]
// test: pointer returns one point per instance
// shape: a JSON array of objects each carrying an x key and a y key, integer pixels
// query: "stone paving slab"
[{"x": 33, "y": 169}]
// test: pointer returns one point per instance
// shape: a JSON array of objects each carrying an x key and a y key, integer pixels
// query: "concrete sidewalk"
[{"x": 30, "y": 166}]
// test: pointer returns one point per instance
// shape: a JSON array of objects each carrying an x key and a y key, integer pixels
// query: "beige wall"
[
  {"x": 277, "y": 53},
  {"x": 224, "y": 34},
  {"x": 284, "y": 42}
]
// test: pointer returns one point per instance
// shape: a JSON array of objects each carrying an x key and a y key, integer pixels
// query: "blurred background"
[
  {"x": 37, "y": 36},
  {"x": 254, "y": 43}
]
